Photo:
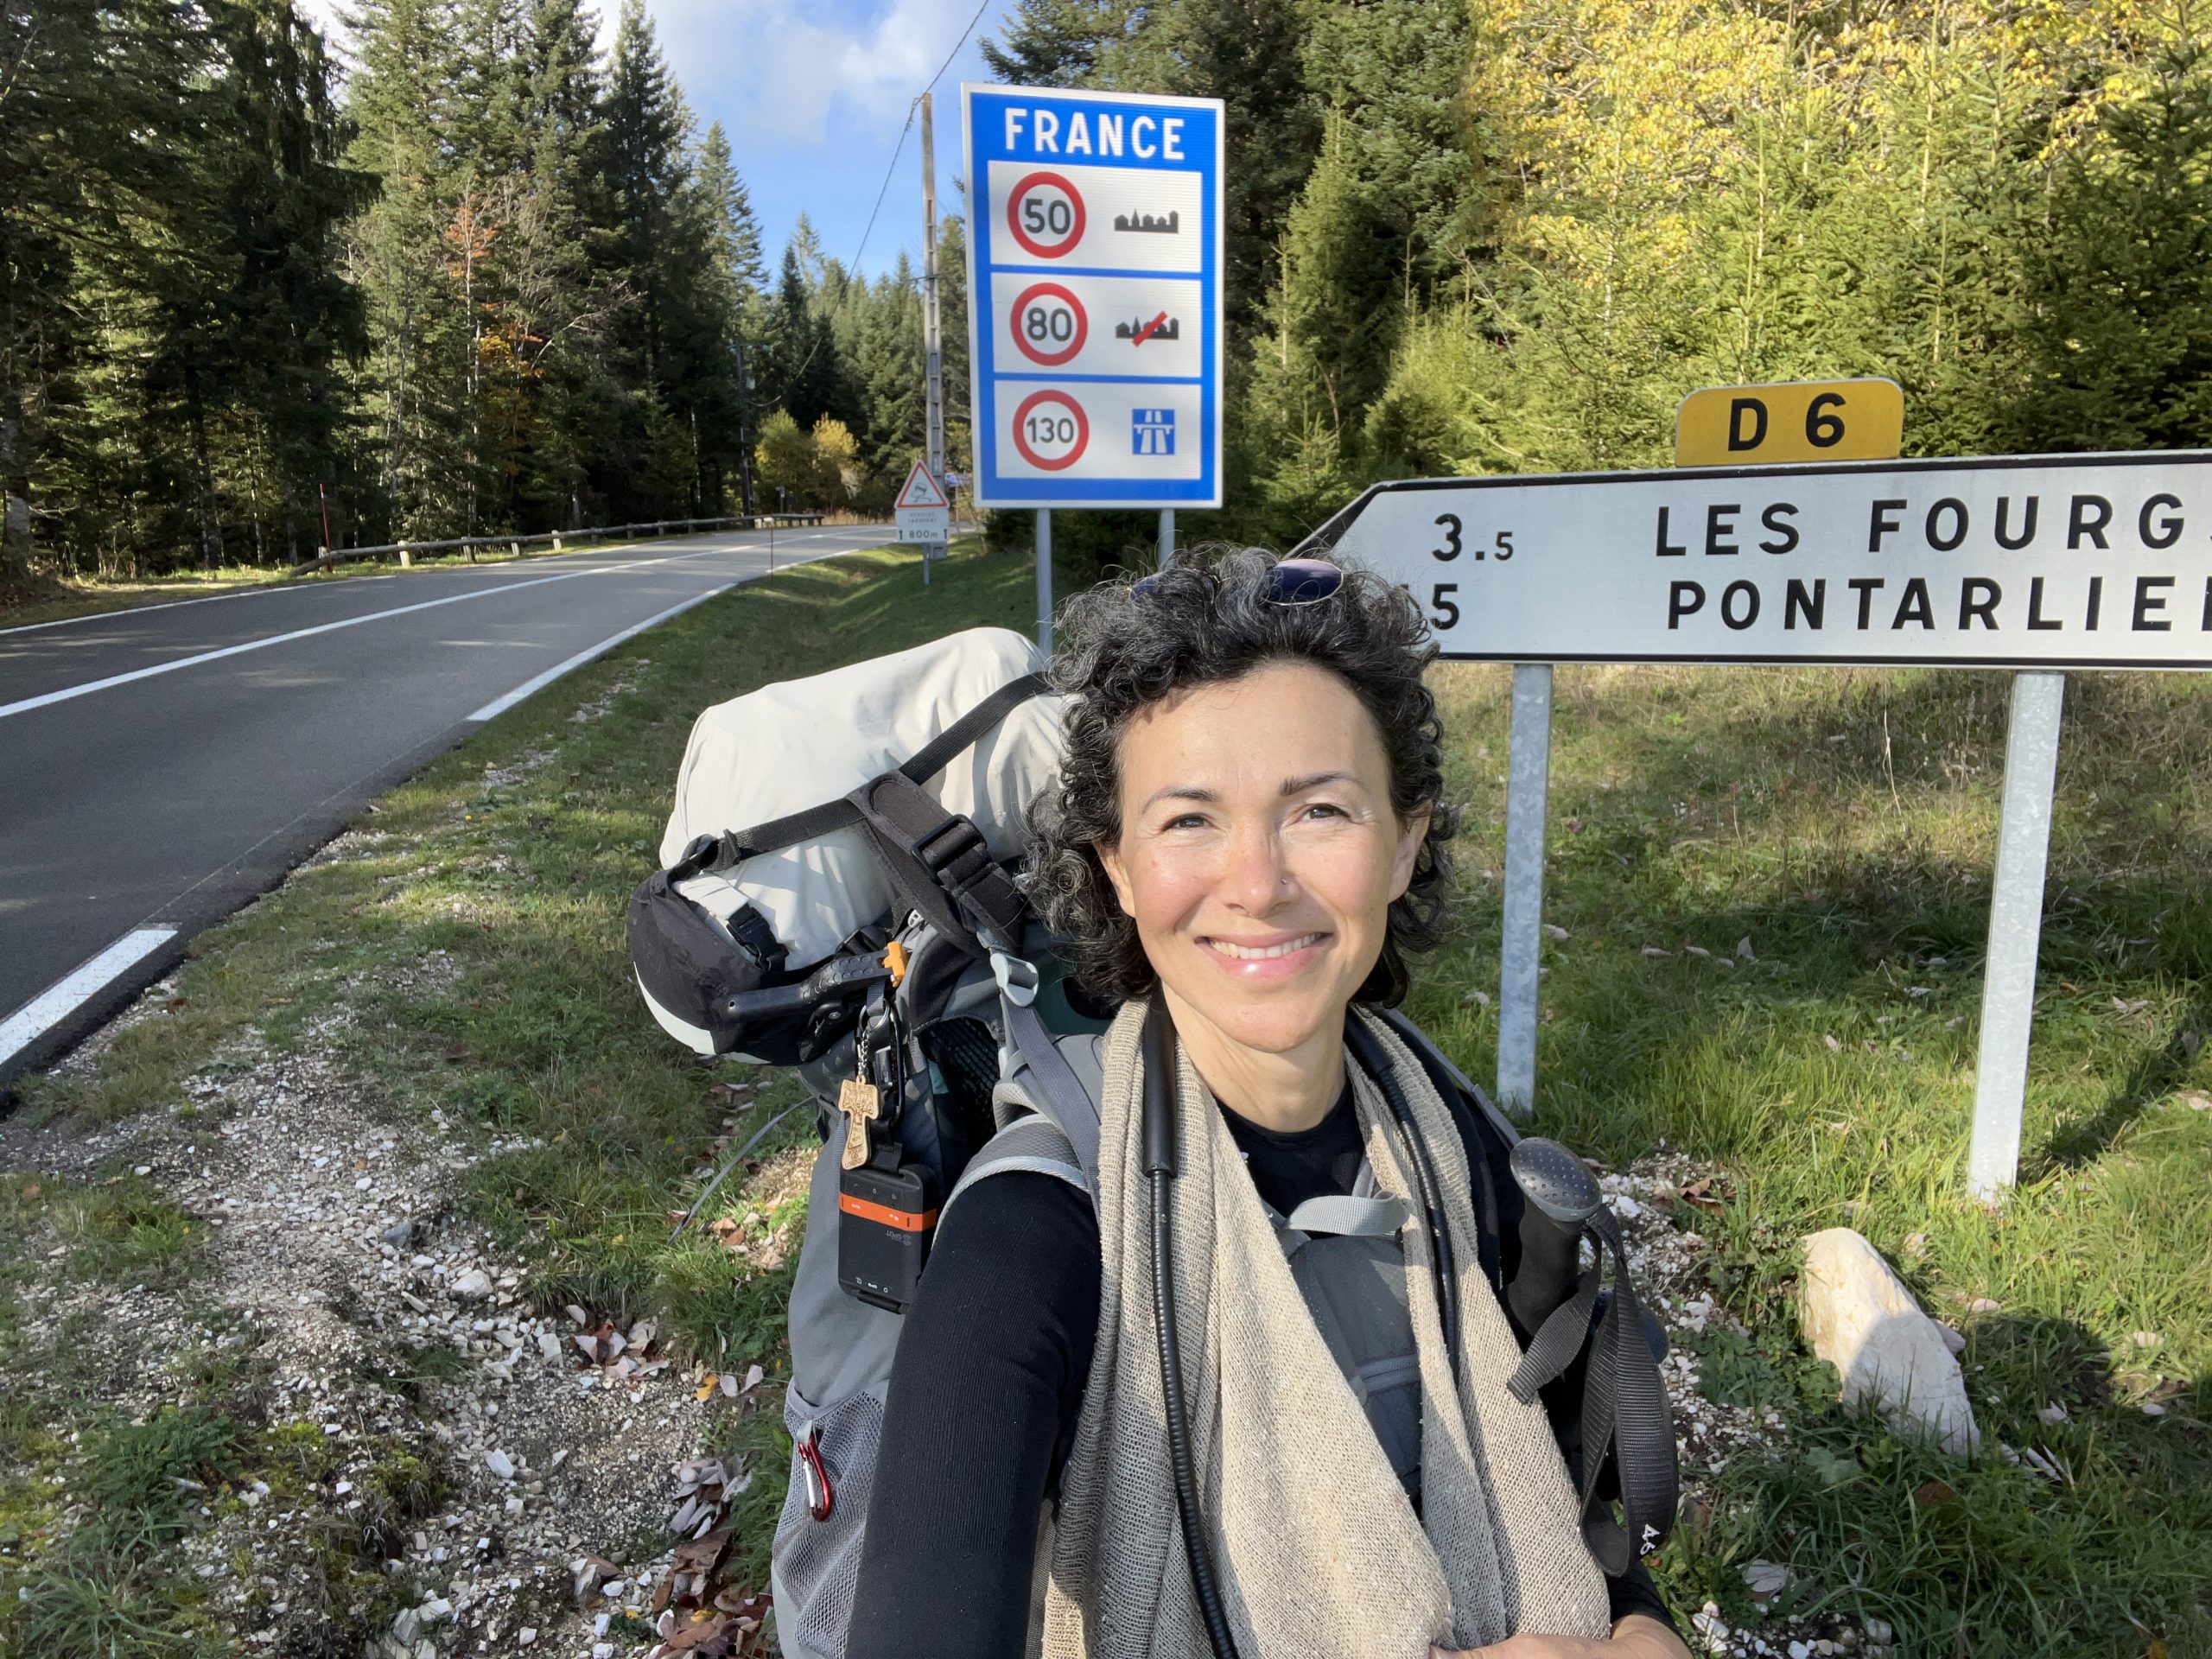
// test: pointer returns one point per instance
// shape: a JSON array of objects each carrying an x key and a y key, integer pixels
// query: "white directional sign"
[
  {"x": 1094, "y": 253},
  {"x": 2033, "y": 561},
  {"x": 923, "y": 512}
]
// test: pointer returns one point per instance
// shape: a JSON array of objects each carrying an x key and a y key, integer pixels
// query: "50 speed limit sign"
[
  {"x": 1044, "y": 214},
  {"x": 1095, "y": 259}
]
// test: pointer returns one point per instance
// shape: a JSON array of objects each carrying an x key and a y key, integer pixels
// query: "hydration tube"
[{"x": 1159, "y": 1169}]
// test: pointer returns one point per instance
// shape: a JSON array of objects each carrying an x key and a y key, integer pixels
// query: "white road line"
[
  {"x": 68, "y": 993},
  {"x": 123, "y": 612},
  {"x": 63, "y": 695},
  {"x": 530, "y": 688}
]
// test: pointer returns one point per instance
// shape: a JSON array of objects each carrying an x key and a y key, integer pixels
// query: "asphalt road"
[{"x": 161, "y": 767}]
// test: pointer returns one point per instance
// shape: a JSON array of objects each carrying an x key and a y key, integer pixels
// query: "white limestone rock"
[{"x": 1859, "y": 1316}]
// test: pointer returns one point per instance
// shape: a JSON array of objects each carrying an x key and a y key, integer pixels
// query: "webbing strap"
[
  {"x": 1346, "y": 1217},
  {"x": 941, "y": 861},
  {"x": 1624, "y": 1406},
  {"x": 1033, "y": 1144},
  {"x": 735, "y": 846},
  {"x": 937, "y": 755}
]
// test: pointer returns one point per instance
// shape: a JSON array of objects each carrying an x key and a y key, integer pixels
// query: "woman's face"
[{"x": 1259, "y": 852}]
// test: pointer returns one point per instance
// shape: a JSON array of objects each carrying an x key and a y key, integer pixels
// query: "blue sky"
[{"x": 813, "y": 93}]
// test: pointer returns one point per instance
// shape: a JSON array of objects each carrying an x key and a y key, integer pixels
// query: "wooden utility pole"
[{"x": 933, "y": 339}]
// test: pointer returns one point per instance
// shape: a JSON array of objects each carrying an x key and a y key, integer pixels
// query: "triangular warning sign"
[{"x": 921, "y": 489}]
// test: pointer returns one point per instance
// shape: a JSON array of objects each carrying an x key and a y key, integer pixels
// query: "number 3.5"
[{"x": 1453, "y": 545}]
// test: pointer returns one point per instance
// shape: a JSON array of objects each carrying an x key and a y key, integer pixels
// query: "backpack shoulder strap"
[
  {"x": 1446, "y": 1075},
  {"x": 1061, "y": 1078},
  {"x": 1030, "y": 1143}
]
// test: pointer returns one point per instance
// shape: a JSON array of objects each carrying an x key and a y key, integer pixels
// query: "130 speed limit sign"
[{"x": 1051, "y": 430}]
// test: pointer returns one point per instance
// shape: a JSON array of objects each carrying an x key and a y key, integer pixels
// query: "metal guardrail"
[{"x": 329, "y": 559}]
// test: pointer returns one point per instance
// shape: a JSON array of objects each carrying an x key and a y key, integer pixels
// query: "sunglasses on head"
[{"x": 1288, "y": 582}]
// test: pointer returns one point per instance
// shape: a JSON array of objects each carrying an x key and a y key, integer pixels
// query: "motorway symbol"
[
  {"x": 1051, "y": 430},
  {"x": 1095, "y": 266},
  {"x": 1045, "y": 215},
  {"x": 1050, "y": 325}
]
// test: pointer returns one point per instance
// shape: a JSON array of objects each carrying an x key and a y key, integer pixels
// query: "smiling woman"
[{"x": 1294, "y": 1266}]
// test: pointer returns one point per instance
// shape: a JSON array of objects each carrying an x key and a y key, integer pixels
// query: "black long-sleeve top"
[{"x": 989, "y": 1378}]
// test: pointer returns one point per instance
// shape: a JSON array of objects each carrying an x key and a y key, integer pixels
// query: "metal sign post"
[
  {"x": 2035, "y": 563},
  {"x": 932, "y": 342},
  {"x": 1528, "y": 785},
  {"x": 2008, "y": 985},
  {"x": 1045, "y": 580},
  {"x": 1167, "y": 537}
]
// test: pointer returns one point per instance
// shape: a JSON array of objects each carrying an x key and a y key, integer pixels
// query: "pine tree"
[
  {"x": 415, "y": 391},
  {"x": 288, "y": 318},
  {"x": 99, "y": 123},
  {"x": 563, "y": 303},
  {"x": 2119, "y": 300},
  {"x": 1059, "y": 42},
  {"x": 735, "y": 230}
]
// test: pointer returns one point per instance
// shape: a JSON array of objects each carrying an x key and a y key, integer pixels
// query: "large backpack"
[{"x": 867, "y": 929}]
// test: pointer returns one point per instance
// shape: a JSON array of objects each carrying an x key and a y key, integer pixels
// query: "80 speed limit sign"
[{"x": 1049, "y": 324}]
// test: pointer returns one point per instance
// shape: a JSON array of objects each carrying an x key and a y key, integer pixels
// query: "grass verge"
[{"x": 1772, "y": 887}]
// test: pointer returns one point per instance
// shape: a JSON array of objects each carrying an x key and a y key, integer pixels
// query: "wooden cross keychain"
[
  {"x": 862, "y": 1105},
  {"x": 860, "y": 1101}
]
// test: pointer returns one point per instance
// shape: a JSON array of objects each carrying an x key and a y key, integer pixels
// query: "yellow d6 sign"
[{"x": 1806, "y": 420}]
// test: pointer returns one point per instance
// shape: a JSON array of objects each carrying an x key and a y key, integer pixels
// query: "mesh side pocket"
[{"x": 818, "y": 1563}]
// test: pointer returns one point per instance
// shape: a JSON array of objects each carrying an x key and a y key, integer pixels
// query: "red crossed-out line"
[{"x": 1150, "y": 329}]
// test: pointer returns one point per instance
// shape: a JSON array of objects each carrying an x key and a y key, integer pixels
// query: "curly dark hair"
[{"x": 1205, "y": 622}]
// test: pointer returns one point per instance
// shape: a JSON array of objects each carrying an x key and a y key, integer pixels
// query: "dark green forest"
[
  {"x": 484, "y": 279},
  {"x": 487, "y": 278}
]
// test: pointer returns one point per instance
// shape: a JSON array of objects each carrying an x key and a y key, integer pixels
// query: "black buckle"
[
  {"x": 955, "y": 842},
  {"x": 698, "y": 853}
]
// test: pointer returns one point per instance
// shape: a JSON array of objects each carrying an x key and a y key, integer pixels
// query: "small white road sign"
[
  {"x": 2023, "y": 561},
  {"x": 923, "y": 513},
  {"x": 1096, "y": 256}
]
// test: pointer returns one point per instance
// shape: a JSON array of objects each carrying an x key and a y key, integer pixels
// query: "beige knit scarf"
[{"x": 1317, "y": 1551}]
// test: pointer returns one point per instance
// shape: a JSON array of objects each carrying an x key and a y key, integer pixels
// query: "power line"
[
  {"x": 899, "y": 148},
  {"x": 957, "y": 44}
]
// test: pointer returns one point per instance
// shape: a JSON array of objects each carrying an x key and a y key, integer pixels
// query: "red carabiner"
[{"x": 821, "y": 1497}]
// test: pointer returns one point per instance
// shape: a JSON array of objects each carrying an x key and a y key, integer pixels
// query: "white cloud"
[
  {"x": 779, "y": 73},
  {"x": 812, "y": 93}
]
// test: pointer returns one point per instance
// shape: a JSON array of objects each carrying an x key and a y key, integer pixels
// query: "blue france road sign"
[{"x": 1094, "y": 317}]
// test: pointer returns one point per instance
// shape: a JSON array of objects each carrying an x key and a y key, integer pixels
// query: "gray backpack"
[{"x": 943, "y": 1044}]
